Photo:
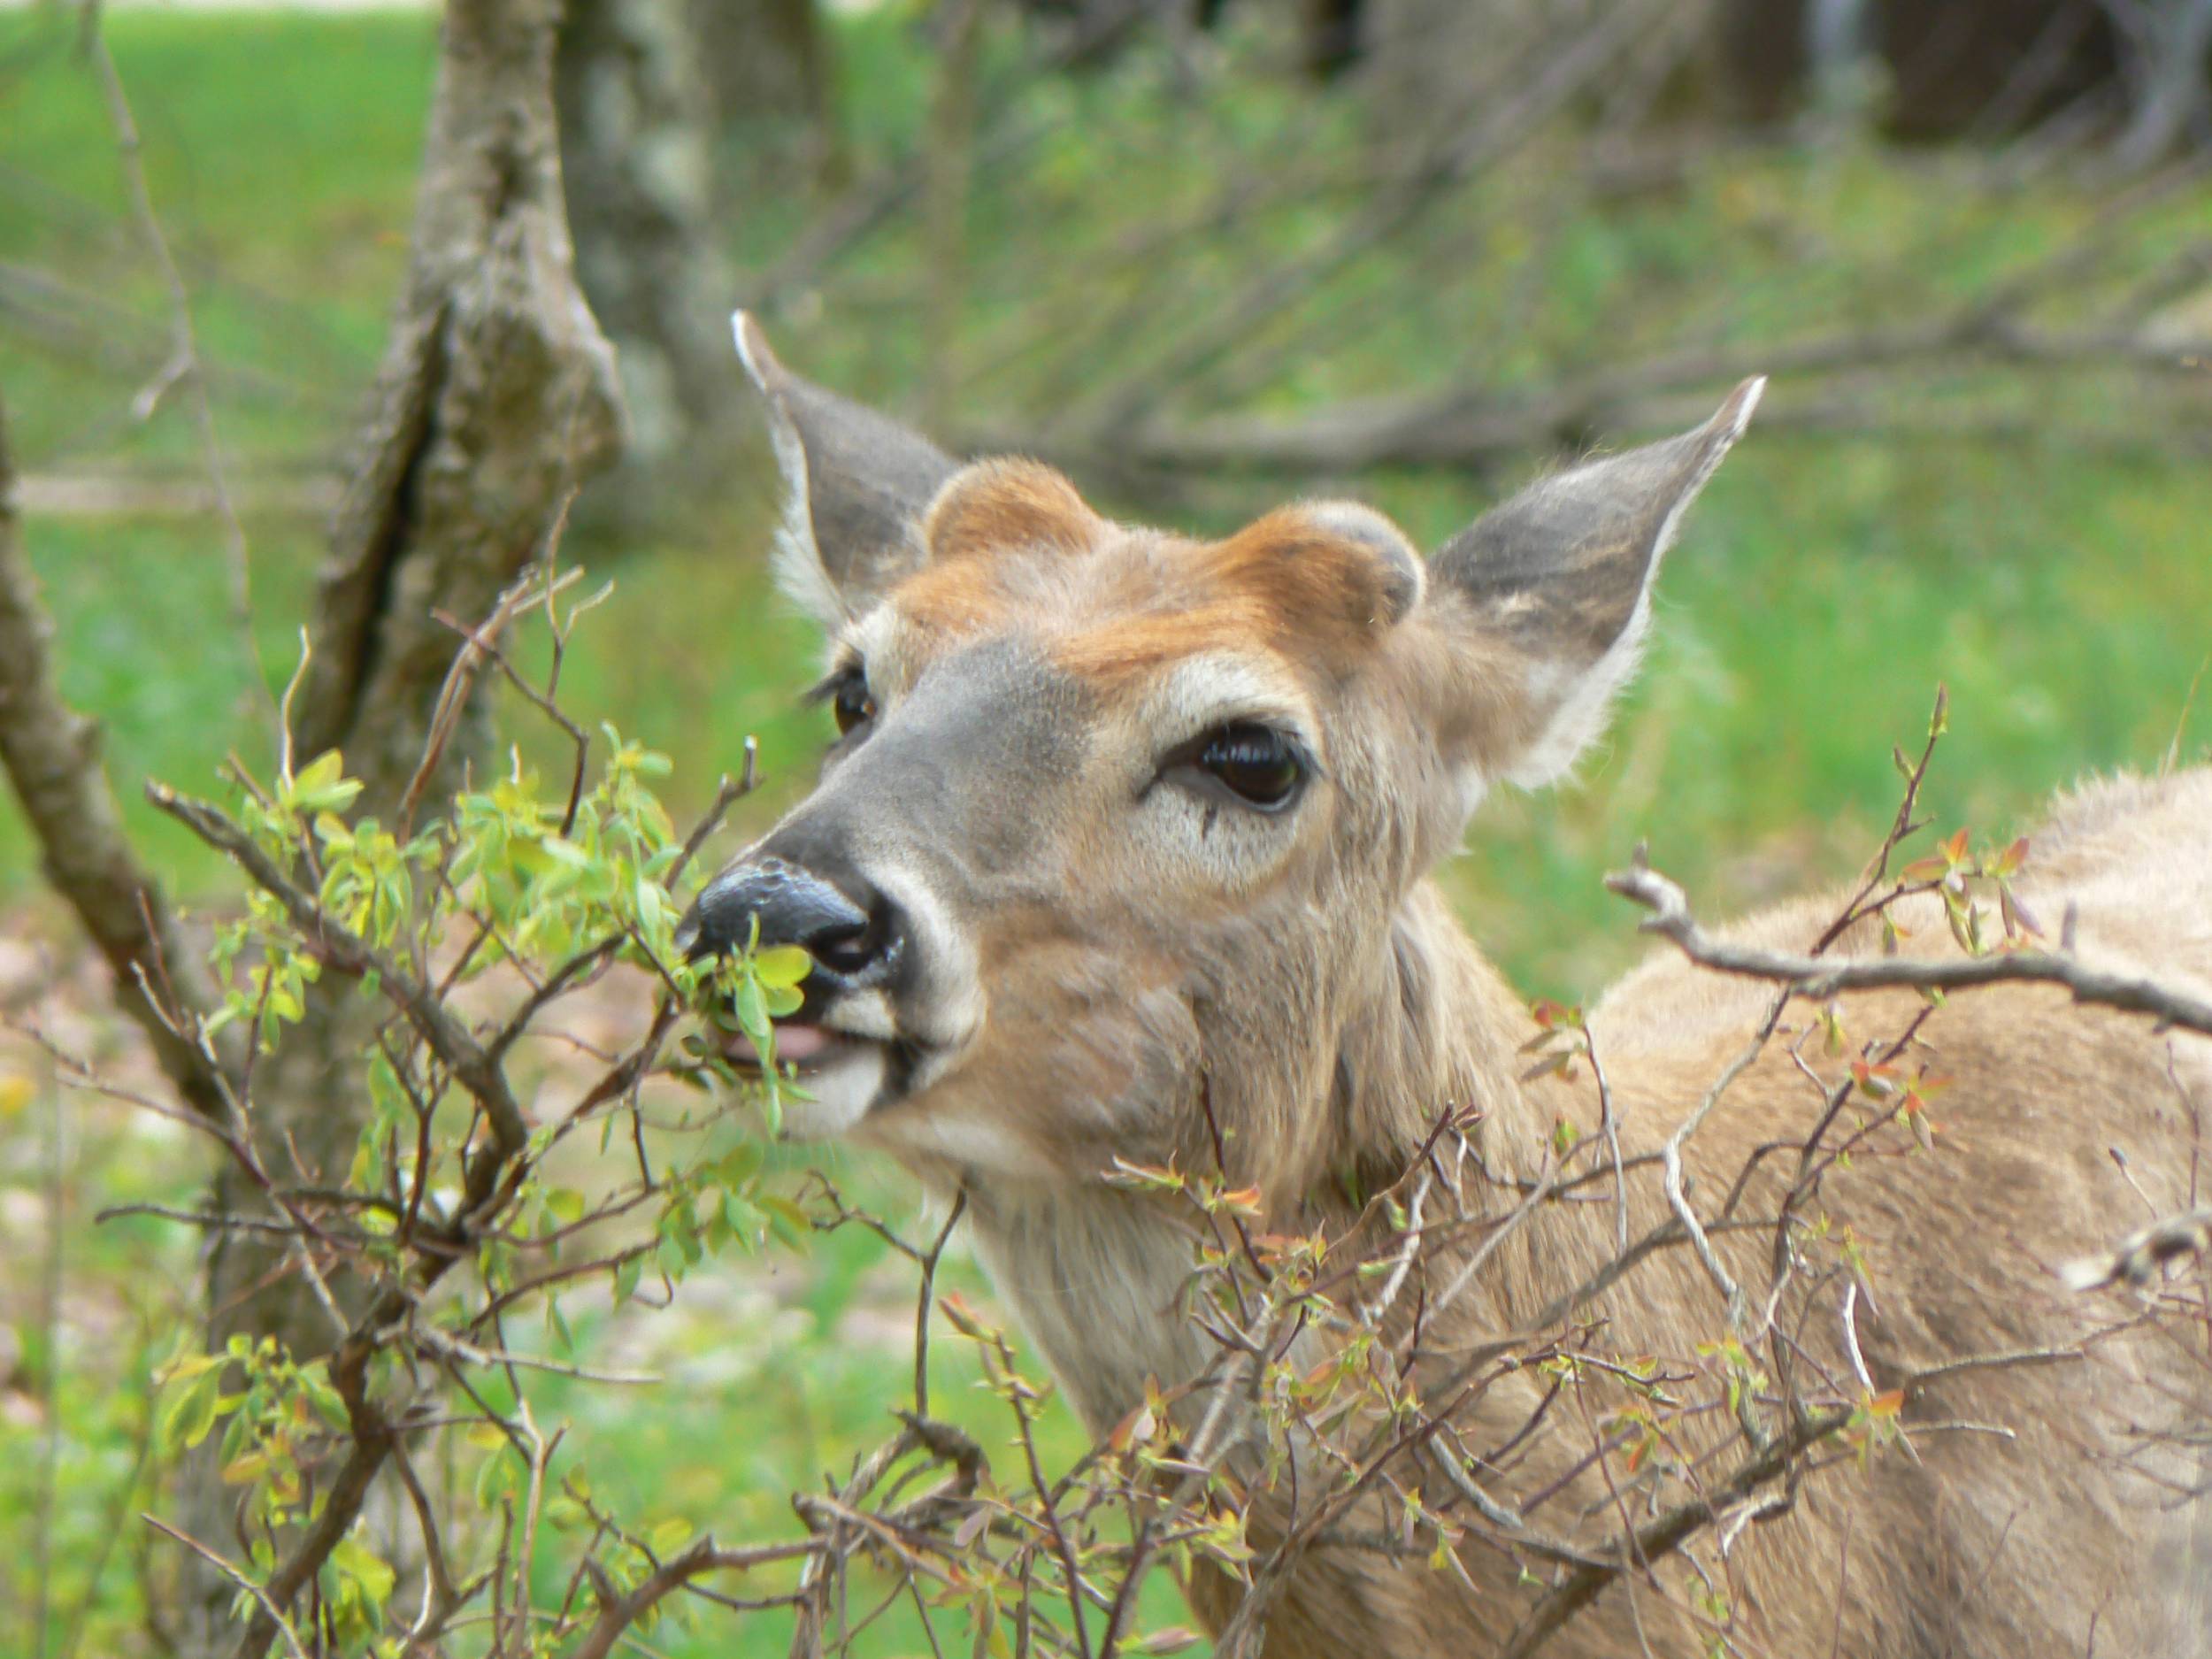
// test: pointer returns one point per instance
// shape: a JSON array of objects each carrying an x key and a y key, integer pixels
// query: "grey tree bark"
[
  {"x": 637, "y": 128},
  {"x": 769, "y": 73},
  {"x": 2168, "y": 65}
]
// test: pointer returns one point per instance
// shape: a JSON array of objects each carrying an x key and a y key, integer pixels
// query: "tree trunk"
[
  {"x": 950, "y": 169},
  {"x": 636, "y": 131},
  {"x": 1954, "y": 66},
  {"x": 1995, "y": 65},
  {"x": 2168, "y": 60},
  {"x": 496, "y": 398},
  {"x": 770, "y": 72},
  {"x": 1762, "y": 51},
  {"x": 1426, "y": 65}
]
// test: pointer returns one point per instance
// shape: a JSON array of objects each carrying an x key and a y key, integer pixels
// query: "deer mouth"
[
  {"x": 833, "y": 1077},
  {"x": 800, "y": 1045}
]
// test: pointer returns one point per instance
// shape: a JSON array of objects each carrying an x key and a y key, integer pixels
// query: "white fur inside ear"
[
  {"x": 1579, "y": 701},
  {"x": 794, "y": 559},
  {"x": 1581, "y": 698},
  {"x": 1566, "y": 697}
]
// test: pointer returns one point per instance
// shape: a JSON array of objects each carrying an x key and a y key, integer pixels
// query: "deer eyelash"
[{"x": 830, "y": 684}]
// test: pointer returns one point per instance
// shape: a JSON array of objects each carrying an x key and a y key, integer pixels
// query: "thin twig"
[
  {"x": 51, "y": 753},
  {"x": 185, "y": 367},
  {"x": 1819, "y": 978},
  {"x": 268, "y": 1606},
  {"x": 460, "y": 680},
  {"x": 50, "y": 1387},
  {"x": 473, "y": 1066}
]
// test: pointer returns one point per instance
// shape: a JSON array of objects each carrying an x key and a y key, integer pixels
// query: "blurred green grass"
[{"x": 1826, "y": 584}]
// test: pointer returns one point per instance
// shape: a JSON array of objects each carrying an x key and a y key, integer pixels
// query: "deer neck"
[
  {"x": 1096, "y": 1274},
  {"x": 1439, "y": 1031}
]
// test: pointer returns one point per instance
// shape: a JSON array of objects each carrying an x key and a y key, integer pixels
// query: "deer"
[{"x": 1122, "y": 859}]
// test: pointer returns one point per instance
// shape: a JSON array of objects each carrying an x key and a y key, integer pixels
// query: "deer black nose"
[{"x": 851, "y": 936}]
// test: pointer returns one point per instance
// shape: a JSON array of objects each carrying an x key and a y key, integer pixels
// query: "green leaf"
[
  {"x": 186, "y": 1419},
  {"x": 737, "y": 1219},
  {"x": 782, "y": 965},
  {"x": 326, "y": 1399},
  {"x": 627, "y": 1274},
  {"x": 322, "y": 785},
  {"x": 786, "y": 1219},
  {"x": 646, "y": 896},
  {"x": 501, "y": 1472},
  {"x": 357, "y": 1560},
  {"x": 319, "y": 774},
  {"x": 566, "y": 852},
  {"x": 739, "y": 1164},
  {"x": 566, "y": 1203},
  {"x": 751, "y": 1008}
]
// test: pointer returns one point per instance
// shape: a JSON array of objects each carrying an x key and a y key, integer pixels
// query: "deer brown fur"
[{"x": 1100, "y": 957}]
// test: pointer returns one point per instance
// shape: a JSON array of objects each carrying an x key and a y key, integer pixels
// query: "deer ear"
[
  {"x": 855, "y": 486},
  {"x": 1545, "y": 600}
]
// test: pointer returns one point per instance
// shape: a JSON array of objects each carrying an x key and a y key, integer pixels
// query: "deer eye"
[
  {"x": 1256, "y": 764},
  {"x": 850, "y": 704}
]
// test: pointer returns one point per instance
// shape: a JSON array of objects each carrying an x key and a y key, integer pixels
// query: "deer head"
[{"x": 1110, "y": 850}]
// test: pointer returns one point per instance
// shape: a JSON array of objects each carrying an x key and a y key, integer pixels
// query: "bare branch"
[
  {"x": 473, "y": 1067},
  {"x": 270, "y": 1609},
  {"x": 51, "y": 755},
  {"x": 617, "y": 1613},
  {"x": 2142, "y": 1253},
  {"x": 1818, "y": 978}
]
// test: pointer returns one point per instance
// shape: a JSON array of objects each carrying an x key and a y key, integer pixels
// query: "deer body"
[
  {"x": 1965, "y": 1265},
  {"x": 1123, "y": 857}
]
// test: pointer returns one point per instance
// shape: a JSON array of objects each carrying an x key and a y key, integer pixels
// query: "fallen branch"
[{"x": 1466, "y": 426}]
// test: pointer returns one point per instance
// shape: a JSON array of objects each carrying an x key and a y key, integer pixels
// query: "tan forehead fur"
[{"x": 1009, "y": 543}]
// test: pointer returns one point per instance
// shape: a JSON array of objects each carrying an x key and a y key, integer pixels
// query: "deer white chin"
[
  {"x": 845, "y": 1078},
  {"x": 839, "y": 1077}
]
